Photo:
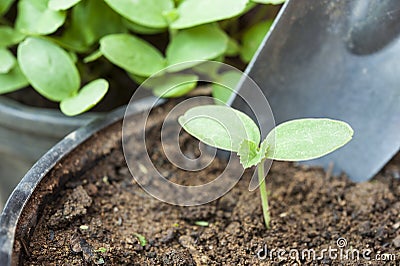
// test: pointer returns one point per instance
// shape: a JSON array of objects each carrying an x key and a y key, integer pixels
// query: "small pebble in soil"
[{"x": 396, "y": 241}]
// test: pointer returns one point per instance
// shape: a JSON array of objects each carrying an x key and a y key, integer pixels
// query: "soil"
[{"x": 104, "y": 217}]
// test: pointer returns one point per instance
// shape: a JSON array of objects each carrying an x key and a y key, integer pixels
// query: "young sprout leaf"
[
  {"x": 7, "y": 61},
  {"x": 296, "y": 140},
  {"x": 148, "y": 13},
  {"x": 199, "y": 43},
  {"x": 132, "y": 54},
  {"x": 252, "y": 39},
  {"x": 48, "y": 68},
  {"x": 34, "y": 17},
  {"x": 250, "y": 154},
  {"x": 172, "y": 85},
  {"x": 306, "y": 139},
  {"x": 195, "y": 12},
  {"x": 87, "y": 97},
  {"x": 220, "y": 126},
  {"x": 13, "y": 80},
  {"x": 62, "y": 4},
  {"x": 9, "y": 36}
]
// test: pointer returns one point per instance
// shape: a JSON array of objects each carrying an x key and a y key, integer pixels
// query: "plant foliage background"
[{"x": 61, "y": 48}]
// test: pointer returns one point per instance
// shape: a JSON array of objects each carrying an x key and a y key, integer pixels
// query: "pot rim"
[
  {"x": 18, "y": 199},
  {"x": 37, "y": 119}
]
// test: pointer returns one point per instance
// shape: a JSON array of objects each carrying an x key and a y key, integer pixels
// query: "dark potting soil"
[{"x": 104, "y": 217}]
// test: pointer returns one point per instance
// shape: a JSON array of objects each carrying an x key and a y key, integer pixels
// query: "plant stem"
[{"x": 263, "y": 193}]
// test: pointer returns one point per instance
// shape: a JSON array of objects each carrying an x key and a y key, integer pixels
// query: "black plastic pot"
[
  {"x": 26, "y": 133},
  {"x": 49, "y": 174}
]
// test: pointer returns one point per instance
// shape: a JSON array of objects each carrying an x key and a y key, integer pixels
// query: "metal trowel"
[{"x": 338, "y": 59}]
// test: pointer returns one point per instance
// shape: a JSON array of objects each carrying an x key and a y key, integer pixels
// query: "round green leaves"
[
  {"x": 223, "y": 88},
  {"x": 220, "y": 126},
  {"x": 148, "y": 13},
  {"x": 9, "y": 36},
  {"x": 48, "y": 68},
  {"x": 87, "y": 97},
  {"x": 7, "y": 61},
  {"x": 297, "y": 140},
  {"x": 34, "y": 17},
  {"x": 306, "y": 139},
  {"x": 199, "y": 43},
  {"x": 172, "y": 85},
  {"x": 132, "y": 54},
  {"x": 62, "y": 4},
  {"x": 196, "y": 12},
  {"x": 252, "y": 39},
  {"x": 13, "y": 80}
]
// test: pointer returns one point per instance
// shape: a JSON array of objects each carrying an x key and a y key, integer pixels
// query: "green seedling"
[
  {"x": 202, "y": 223},
  {"x": 142, "y": 239},
  {"x": 44, "y": 46},
  {"x": 296, "y": 140},
  {"x": 101, "y": 250}
]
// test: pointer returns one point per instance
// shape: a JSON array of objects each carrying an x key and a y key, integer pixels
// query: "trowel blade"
[{"x": 337, "y": 59}]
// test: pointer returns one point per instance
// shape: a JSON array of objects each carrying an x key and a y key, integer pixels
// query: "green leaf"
[
  {"x": 220, "y": 126},
  {"x": 207, "y": 68},
  {"x": 137, "y": 79},
  {"x": 48, "y": 68},
  {"x": 142, "y": 239},
  {"x": 7, "y": 61},
  {"x": 9, "y": 36},
  {"x": 93, "y": 56},
  {"x": 202, "y": 223},
  {"x": 102, "y": 250},
  {"x": 200, "y": 43},
  {"x": 172, "y": 85},
  {"x": 305, "y": 139},
  {"x": 148, "y": 13},
  {"x": 195, "y": 12},
  {"x": 34, "y": 17},
  {"x": 252, "y": 39},
  {"x": 137, "y": 28},
  {"x": 250, "y": 154},
  {"x": 5, "y": 5},
  {"x": 13, "y": 80},
  {"x": 62, "y": 4},
  {"x": 232, "y": 48},
  {"x": 224, "y": 86},
  {"x": 92, "y": 14},
  {"x": 87, "y": 97},
  {"x": 132, "y": 54},
  {"x": 272, "y": 2}
]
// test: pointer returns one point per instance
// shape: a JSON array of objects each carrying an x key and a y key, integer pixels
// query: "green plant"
[
  {"x": 66, "y": 49},
  {"x": 141, "y": 238},
  {"x": 296, "y": 140}
]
